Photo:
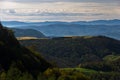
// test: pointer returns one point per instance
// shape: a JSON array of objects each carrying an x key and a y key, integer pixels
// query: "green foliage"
[
  {"x": 13, "y": 74},
  {"x": 58, "y": 74},
  {"x": 111, "y": 57},
  {"x": 26, "y": 76},
  {"x": 3, "y": 76},
  {"x": 79, "y": 70},
  {"x": 71, "y": 51},
  {"x": 105, "y": 76},
  {"x": 41, "y": 77},
  {"x": 106, "y": 66}
]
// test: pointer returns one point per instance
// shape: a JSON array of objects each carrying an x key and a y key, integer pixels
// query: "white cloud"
[
  {"x": 37, "y": 12},
  {"x": 97, "y": 1},
  {"x": 65, "y": 11}
]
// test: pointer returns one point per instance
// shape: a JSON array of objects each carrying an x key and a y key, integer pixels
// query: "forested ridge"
[{"x": 72, "y": 51}]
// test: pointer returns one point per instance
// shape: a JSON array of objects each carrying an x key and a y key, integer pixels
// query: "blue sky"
[{"x": 59, "y": 10}]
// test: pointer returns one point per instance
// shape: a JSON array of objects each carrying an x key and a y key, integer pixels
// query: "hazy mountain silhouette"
[
  {"x": 27, "y": 33},
  {"x": 110, "y": 28}
]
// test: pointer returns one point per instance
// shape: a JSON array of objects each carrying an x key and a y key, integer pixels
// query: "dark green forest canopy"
[{"x": 71, "y": 51}]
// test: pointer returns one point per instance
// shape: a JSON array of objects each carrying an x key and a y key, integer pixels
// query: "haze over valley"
[{"x": 110, "y": 28}]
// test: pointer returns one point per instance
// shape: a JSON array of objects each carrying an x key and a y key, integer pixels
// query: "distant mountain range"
[
  {"x": 110, "y": 28},
  {"x": 100, "y": 22},
  {"x": 96, "y": 22}
]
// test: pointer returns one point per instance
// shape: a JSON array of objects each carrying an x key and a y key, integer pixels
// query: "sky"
[{"x": 59, "y": 10}]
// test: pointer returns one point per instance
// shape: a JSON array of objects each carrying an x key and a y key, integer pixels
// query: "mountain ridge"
[
  {"x": 71, "y": 51},
  {"x": 27, "y": 33},
  {"x": 11, "y": 52},
  {"x": 93, "y": 22}
]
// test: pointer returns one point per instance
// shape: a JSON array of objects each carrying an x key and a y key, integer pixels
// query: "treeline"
[
  {"x": 105, "y": 66},
  {"x": 106, "y": 70},
  {"x": 15, "y": 73}
]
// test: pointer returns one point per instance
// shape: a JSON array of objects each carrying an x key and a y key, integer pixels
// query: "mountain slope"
[
  {"x": 71, "y": 51},
  {"x": 11, "y": 52}
]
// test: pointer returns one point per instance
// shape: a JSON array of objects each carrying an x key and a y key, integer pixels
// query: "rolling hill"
[
  {"x": 27, "y": 33},
  {"x": 72, "y": 51}
]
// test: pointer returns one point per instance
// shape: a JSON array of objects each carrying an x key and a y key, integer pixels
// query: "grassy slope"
[
  {"x": 84, "y": 70},
  {"x": 111, "y": 57}
]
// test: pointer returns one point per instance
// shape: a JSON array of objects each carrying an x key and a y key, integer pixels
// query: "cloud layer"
[
  {"x": 66, "y": 10},
  {"x": 104, "y": 1}
]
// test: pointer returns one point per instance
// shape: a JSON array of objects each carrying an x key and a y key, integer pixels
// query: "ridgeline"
[{"x": 15, "y": 55}]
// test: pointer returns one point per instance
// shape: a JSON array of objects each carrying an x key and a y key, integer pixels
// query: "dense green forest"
[
  {"x": 72, "y": 51},
  {"x": 93, "y": 58}
]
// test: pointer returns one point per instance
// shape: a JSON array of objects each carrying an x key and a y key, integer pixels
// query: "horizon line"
[{"x": 58, "y": 21}]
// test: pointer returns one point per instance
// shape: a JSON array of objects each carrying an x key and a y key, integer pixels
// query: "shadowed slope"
[{"x": 11, "y": 52}]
